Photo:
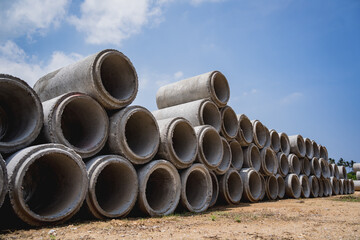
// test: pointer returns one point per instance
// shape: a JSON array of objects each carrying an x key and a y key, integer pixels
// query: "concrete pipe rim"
[
  {"x": 252, "y": 185},
  {"x": 294, "y": 163},
  {"x": 210, "y": 147},
  {"x": 315, "y": 167},
  {"x": 268, "y": 164},
  {"x": 14, "y": 138},
  {"x": 281, "y": 186},
  {"x": 52, "y": 209},
  {"x": 259, "y": 134},
  {"x": 336, "y": 171},
  {"x": 309, "y": 153},
  {"x": 237, "y": 156},
  {"x": 293, "y": 187},
  {"x": 120, "y": 91},
  {"x": 233, "y": 186},
  {"x": 272, "y": 189},
  {"x": 245, "y": 134},
  {"x": 305, "y": 186},
  {"x": 314, "y": 186},
  {"x": 219, "y": 88},
  {"x": 75, "y": 114},
  {"x": 334, "y": 185},
  {"x": 274, "y": 140},
  {"x": 210, "y": 115},
  {"x": 226, "y": 159},
  {"x": 315, "y": 149},
  {"x": 300, "y": 149},
  {"x": 284, "y": 143},
  {"x": 116, "y": 199},
  {"x": 283, "y": 164},
  {"x": 196, "y": 188},
  {"x": 230, "y": 124},
  {"x": 325, "y": 171},
  {"x": 323, "y": 152},
  {"x": 168, "y": 199},
  {"x": 3, "y": 180},
  {"x": 215, "y": 189}
]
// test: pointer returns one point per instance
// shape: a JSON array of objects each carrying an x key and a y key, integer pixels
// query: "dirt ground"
[{"x": 336, "y": 217}]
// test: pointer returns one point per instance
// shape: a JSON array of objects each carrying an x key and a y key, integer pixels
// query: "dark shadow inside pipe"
[
  {"x": 230, "y": 122},
  {"x": 234, "y": 184},
  {"x": 184, "y": 142},
  {"x": 255, "y": 158},
  {"x": 225, "y": 162},
  {"x": 221, "y": 87},
  {"x": 284, "y": 164},
  {"x": 255, "y": 185},
  {"x": 281, "y": 186},
  {"x": 273, "y": 187},
  {"x": 247, "y": 129},
  {"x": 215, "y": 189},
  {"x": 237, "y": 155},
  {"x": 260, "y": 133},
  {"x": 196, "y": 189},
  {"x": 295, "y": 186},
  {"x": 211, "y": 115},
  {"x": 284, "y": 144},
  {"x": 212, "y": 147}
]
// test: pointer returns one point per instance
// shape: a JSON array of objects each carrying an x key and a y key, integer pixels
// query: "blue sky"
[{"x": 292, "y": 64}]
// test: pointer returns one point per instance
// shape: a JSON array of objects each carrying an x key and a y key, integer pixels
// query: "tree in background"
[{"x": 347, "y": 164}]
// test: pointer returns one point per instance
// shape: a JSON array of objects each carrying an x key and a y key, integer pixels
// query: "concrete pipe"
[
  {"x": 159, "y": 188},
  {"x": 198, "y": 113},
  {"x": 357, "y": 185},
  {"x": 213, "y": 85},
  {"x": 21, "y": 114},
  {"x": 134, "y": 134},
  {"x": 341, "y": 187},
  {"x": 344, "y": 186},
  {"x": 356, "y": 167},
  {"x": 271, "y": 187},
  {"x": 275, "y": 141},
  {"x": 268, "y": 139},
  {"x": 226, "y": 159},
  {"x": 252, "y": 184},
  {"x": 231, "y": 187},
  {"x": 3, "y": 181},
  {"x": 324, "y": 165},
  {"x": 284, "y": 143},
  {"x": 178, "y": 142},
  {"x": 230, "y": 125},
  {"x": 305, "y": 186},
  {"x": 323, "y": 152},
  {"x": 335, "y": 170},
  {"x": 268, "y": 161},
  {"x": 283, "y": 164},
  {"x": 321, "y": 188},
  {"x": 252, "y": 158},
  {"x": 352, "y": 185},
  {"x": 314, "y": 186},
  {"x": 113, "y": 186},
  {"x": 263, "y": 187},
  {"x": 196, "y": 188},
  {"x": 315, "y": 167},
  {"x": 305, "y": 166},
  {"x": 334, "y": 185},
  {"x": 76, "y": 121},
  {"x": 292, "y": 186},
  {"x": 294, "y": 164},
  {"x": 281, "y": 186},
  {"x": 215, "y": 189},
  {"x": 342, "y": 172},
  {"x": 297, "y": 145},
  {"x": 349, "y": 186},
  {"x": 245, "y": 134},
  {"x": 259, "y": 134},
  {"x": 309, "y": 151},
  {"x": 47, "y": 183},
  {"x": 315, "y": 149},
  {"x": 210, "y": 151},
  {"x": 237, "y": 155},
  {"x": 327, "y": 187},
  {"x": 108, "y": 76},
  {"x": 358, "y": 175}
]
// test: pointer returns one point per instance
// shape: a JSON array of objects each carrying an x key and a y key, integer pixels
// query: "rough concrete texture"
[
  {"x": 198, "y": 113},
  {"x": 281, "y": 186},
  {"x": 335, "y": 171},
  {"x": 344, "y": 186},
  {"x": 263, "y": 187},
  {"x": 315, "y": 149},
  {"x": 196, "y": 188},
  {"x": 357, "y": 185},
  {"x": 309, "y": 152},
  {"x": 284, "y": 143},
  {"x": 268, "y": 139},
  {"x": 297, "y": 145},
  {"x": 107, "y": 76},
  {"x": 358, "y": 175},
  {"x": 210, "y": 151},
  {"x": 342, "y": 172},
  {"x": 245, "y": 134},
  {"x": 341, "y": 187},
  {"x": 215, "y": 189},
  {"x": 275, "y": 140},
  {"x": 315, "y": 167},
  {"x": 352, "y": 186},
  {"x": 231, "y": 187},
  {"x": 269, "y": 164},
  {"x": 252, "y": 158},
  {"x": 305, "y": 186},
  {"x": 283, "y": 164},
  {"x": 271, "y": 187},
  {"x": 226, "y": 159},
  {"x": 356, "y": 167},
  {"x": 305, "y": 166},
  {"x": 334, "y": 185},
  {"x": 327, "y": 184},
  {"x": 292, "y": 186},
  {"x": 323, "y": 152},
  {"x": 21, "y": 114},
  {"x": 321, "y": 188},
  {"x": 47, "y": 183},
  {"x": 159, "y": 188},
  {"x": 213, "y": 85},
  {"x": 3, "y": 181},
  {"x": 260, "y": 134},
  {"x": 325, "y": 170},
  {"x": 178, "y": 142},
  {"x": 294, "y": 164},
  {"x": 76, "y": 121},
  {"x": 314, "y": 186},
  {"x": 113, "y": 186},
  {"x": 237, "y": 155},
  {"x": 134, "y": 134},
  {"x": 252, "y": 189},
  {"x": 230, "y": 125}
]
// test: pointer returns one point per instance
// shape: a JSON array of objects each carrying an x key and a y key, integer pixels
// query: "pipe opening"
[
  {"x": 221, "y": 87},
  {"x": 275, "y": 140},
  {"x": 160, "y": 191},
  {"x": 82, "y": 123},
  {"x": 51, "y": 185},
  {"x": 314, "y": 186},
  {"x": 118, "y": 77},
  {"x": 212, "y": 147},
  {"x": 296, "y": 187},
  {"x": 237, "y": 155},
  {"x": 308, "y": 147},
  {"x": 234, "y": 184},
  {"x": 141, "y": 133},
  {"x": 260, "y": 133},
  {"x": 295, "y": 162},
  {"x": 305, "y": 187},
  {"x": 226, "y": 159},
  {"x": 115, "y": 189},
  {"x": 284, "y": 144},
  {"x": 255, "y": 158},
  {"x": 230, "y": 122},
  {"x": 184, "y": 142},
  {"x": 247, "y": 129},
  {"x": 215, "y": 189},
  {"x": 255, "y": 185},
  {"x": 306, "y": 166},
  {"x": 300, "y": 145},
  {"x": 269, "y": 161},
  {"x": 273, "y": 187},
  {"x": 211, "y": 115},
  {"x": 284, "y": 164},
  {"x": 316, "y": 149},
  {"x": 281, "y": 187},
  {"x": 196, "y": 189}
]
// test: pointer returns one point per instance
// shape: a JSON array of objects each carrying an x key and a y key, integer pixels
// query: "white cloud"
[
  {"x": 198, "y": 2},
  {"x": 178, "y": 75},
  {"x": 25, "y": 17},
  {"x": 14, "y": 61},
  {"x": 291, "y": 98},
  {"x": 112, "y": 21}
]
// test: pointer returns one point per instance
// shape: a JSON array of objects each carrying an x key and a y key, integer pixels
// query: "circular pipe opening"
[
  {"x": 255, "y": 185},
  {"x": 234, "y": 185},
  {"x": 196, "y": 189},
  {"x": 295, "y": 164},
  {"x": 314, "y": 186},
  {"x": 220, "y": 87},
  {"x": 184, "y": 142},
  {"x": 215, "y": 189},
  {"x": 284, "y": 143},
  {"x": 230, "y": 122},
  {"x": 315, "y": 149},
  {"x": 255, "y": 158},
  {"x": 237, "y": 158},
  {"x": 210, "y": 115},
  {"x": 260, "y": 134},
  {"x": 306, "y": 166},
  {"x": 305, "y": 187},
  {"x": 269, "y": 161},
  {"x": 309, "y": 148},
  {"x": 301, "y": 145},
  {"x": 324, "y": 168},
  {"x": 296, "y": 187},
  {"x": 275, "y": 140},
  {"x": 246, "y": 128},
  {"x": 226, "y": 159},
  {"x": 284, "y": 164},
  {"x": 273, "y": 187},
  {"x": 212, "y": 147},
  {"x": 281, "y": 186}
]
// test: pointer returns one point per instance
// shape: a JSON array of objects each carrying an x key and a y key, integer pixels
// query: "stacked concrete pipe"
[
  {"x": 297, "y": 145},
  {"x": 226, "y": 159},
  {"x": 260, "y": 134},
  {"x": 283, "y": 164},
  {"x": 237, "y": 155},
  {"x": 284, "y": 143},
  {"x": 281, "y": 186},
  {"x": 3, "y": 180},
  {"x": 268, "y": 161},
  {"x": 305, "y": 186},
  {"x": 245, "y": 134},
  {"x": 294, "y": 164},
  {"x": 356, "y": 169},
  {"x": 252, "y": 184},
  {"x": 292, "y": 186},
  {"x": 231, "y": 187},
  {"x": 229, "y": 126},
  {"x": 275, "y": 141},
  {"x": 215, "y": 189},
  {"x": 271, "y": 187},
  {"x": 314, "y": 186},
  {"x": 252, "y": 157}
]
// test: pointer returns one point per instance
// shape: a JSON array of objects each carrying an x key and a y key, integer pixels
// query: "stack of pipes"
[
  {"x": 356, "y": 168},
  {"x": 74, "y": 140}
]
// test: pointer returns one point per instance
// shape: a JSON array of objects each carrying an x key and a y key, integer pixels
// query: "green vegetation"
[{"x": 348, "y": 199}]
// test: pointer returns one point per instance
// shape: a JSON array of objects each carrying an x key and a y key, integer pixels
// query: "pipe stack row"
[
  {"x": 356, "y": 168},
  {"x": 74, "y": 142}
]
